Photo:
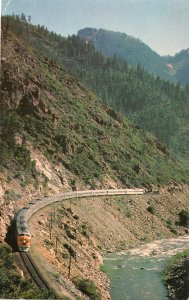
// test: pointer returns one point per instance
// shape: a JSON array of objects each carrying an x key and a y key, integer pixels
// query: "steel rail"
[{"x": 34, "y": 271}]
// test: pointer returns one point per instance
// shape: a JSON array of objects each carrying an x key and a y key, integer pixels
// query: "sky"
[{"x": 161, "y": 24}]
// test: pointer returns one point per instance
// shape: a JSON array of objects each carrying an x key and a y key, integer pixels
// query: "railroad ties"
[{"x": 34, "y": 271}]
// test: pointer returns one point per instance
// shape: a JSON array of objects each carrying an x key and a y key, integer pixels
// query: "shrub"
[
  {"x": 70, "y": 250},
  {"x": 48, "y": 243},
  {"x": 69, "y": 232},
  {"x": 151, "y": 209},
  {"x": 169, "y": 223},
  {"x": 65, "y": 255},
  {"x": 69, "y": 210},
  {"x": 184, "y": 218},
  {"x": 128, "y": 214},
  {"x": 84, "y": 230},
  {"x": 22, "y": 156},
  {"x": 88, "y": 288}
]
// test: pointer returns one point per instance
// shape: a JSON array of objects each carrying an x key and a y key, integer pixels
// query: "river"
[{"x": 135, "y": 274}]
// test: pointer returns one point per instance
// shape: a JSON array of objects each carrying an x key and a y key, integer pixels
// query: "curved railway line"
[
  {"x": 34, "y": 271},
  {"x": 26, "y": 212}
]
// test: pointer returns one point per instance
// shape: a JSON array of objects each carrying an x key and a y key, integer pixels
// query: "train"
[{"x": 23, "y": 235}]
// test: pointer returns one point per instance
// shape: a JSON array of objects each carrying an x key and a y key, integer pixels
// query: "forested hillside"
[
  {"x": 45, "y": 107},
  {"x": 135, "y": 52},
  {"x": 110, "y": 43},
  {"x": 157, "y": 106},
  {"x": 179, "y": 66}
]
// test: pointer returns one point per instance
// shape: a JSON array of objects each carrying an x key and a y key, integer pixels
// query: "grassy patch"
[{"x": 103, "y": 268}]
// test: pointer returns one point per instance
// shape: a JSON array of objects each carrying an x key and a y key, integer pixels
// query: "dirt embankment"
[{"x": 82, "y": 231}]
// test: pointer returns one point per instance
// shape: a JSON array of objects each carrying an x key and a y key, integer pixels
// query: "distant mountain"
[
  {"x": 136, "y": 52},
  {"x": 133, "y": 50}
]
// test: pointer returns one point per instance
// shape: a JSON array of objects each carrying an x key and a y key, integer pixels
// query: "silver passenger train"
[{"x": 22, "y": 232}]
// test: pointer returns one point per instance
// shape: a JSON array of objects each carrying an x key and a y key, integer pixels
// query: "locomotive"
[{"x": 22, "y": 233}]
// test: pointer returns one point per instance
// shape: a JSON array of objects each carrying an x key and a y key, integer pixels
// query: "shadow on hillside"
[{"x": 10, "y": 238}]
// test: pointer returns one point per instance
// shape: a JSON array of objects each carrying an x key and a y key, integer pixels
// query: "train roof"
[{"x": 23, "y": 230}]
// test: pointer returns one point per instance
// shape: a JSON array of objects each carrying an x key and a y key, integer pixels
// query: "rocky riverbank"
[{"x": 176, "y": 276}]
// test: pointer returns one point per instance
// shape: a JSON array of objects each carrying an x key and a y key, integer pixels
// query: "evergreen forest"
[
  {"x": 174, "y": 68},
  {"x": 159, "y": 106}
]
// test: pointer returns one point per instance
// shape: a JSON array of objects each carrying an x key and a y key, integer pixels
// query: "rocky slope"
[{"x": 92, "y": 227}]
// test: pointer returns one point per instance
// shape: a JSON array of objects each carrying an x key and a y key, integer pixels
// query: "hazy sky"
[{"x": 161, "y": 24}]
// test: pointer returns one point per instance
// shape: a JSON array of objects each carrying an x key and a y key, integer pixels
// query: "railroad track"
[
  {"x": 34, "y": 271},
  {"x": 26, "y": 212}
]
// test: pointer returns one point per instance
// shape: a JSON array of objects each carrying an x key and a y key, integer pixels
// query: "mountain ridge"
[{"x": 136, "y": 52}]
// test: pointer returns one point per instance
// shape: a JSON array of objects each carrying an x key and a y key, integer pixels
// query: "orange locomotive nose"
[{"x": 23, "y": 241}]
